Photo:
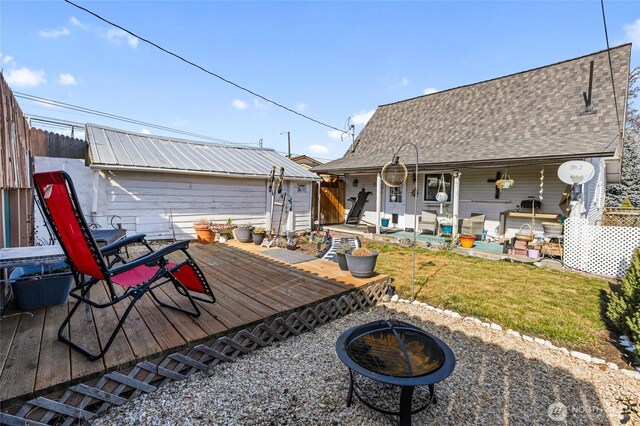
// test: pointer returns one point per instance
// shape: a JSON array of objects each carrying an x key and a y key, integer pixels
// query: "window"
[
  {"x": 433, "y": 184},
  {"x": 395, "y": 194}
]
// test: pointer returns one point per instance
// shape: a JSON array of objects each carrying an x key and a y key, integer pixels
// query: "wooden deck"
[{"x": 249, "y": 289}]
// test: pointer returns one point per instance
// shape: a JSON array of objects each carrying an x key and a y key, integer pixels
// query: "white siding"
[
  {"x": 476, "y": 195},
  {"x": 368, "y": 183}
]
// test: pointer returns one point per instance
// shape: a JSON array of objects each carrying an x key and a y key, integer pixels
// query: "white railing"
[{"x": 597, "y": 249}]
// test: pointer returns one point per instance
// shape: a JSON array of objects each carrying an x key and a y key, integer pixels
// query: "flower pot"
[
  {"x": 384, "y": 222},
  {"x": 204, "y": 234},
  {"x": 447, "y": 229},
  {"x": 258, "y": 237},
  {"x": 467, "y": 241},
  {"x": 371, "y": 229},
  {"x": 362, "y": 266},
  {"x": 244, "y": 235},
  {"x": 533, "y": 253},
  {"x": 342, "y": 261}
]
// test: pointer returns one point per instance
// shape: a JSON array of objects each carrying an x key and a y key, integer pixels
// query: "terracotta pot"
[
  {"x": 204, "y": 234},
  {"x": 467, "y": 241}
]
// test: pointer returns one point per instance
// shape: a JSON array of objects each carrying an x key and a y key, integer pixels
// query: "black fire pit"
[{"x": 397, "y": 355}]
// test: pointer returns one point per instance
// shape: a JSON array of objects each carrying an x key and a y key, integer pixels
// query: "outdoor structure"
[
  {"x": 160, "y": 186},
  {"x": 520, "y": 127}
]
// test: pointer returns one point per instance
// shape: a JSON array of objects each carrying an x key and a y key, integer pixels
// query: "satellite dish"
[
  {"x": 576, "y": 172},
  {"x": 394, "y": 175}
]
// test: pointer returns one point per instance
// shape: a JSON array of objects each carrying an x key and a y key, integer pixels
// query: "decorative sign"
[{"x": 302, "y": 187}]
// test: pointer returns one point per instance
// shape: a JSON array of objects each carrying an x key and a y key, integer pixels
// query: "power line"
[
  {"x": 193, "y": 64},
  {"x": 606, "y": 36},
  {"x": 121, "y": 118}
]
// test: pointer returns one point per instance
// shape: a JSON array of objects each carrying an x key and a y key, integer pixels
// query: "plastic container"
[
  {"x": 384, "y": 222},
  {"x": 37, "y": 291}
]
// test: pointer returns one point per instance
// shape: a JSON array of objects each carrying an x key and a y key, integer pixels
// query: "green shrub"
[{"x": 624, "y": 308}]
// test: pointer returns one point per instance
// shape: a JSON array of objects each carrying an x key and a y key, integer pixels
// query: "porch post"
[
  {"x": 378, "y": 201},
  {"x": 456, "y": 199}
]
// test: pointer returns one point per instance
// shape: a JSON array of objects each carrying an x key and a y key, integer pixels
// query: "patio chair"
[
  {"x": 473, "y": 225},
  {"x": 89, "y": 266},
  {"x": 428, "y": 222}
]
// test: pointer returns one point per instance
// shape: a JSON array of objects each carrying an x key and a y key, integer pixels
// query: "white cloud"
[
  {"x": 6, "y": 59},
  {"x": 429, "y": 90},
  {"x": 74, "y": 21},
  {"x": 335, "y": 134},
  {"x": 54, "y": 33},
  {"x": 632, "y": 32},
  {"x": 405, "y": 81},
  {"x": 24, "y": 77},
  {"x": 144, "y": 131},
  {"x": 117, "y": 36},
  {"x": 67, "y": 79},
  {"x": 301, "y": 107},
  {"x": 319, "y": 149},
  {"x": 238, "y": 104},
  {"x": 260, "y": 105},
  {"x": 362, "y": 117}
]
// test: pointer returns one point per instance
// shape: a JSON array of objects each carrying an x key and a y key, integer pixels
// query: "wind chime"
[{"x": 533, "y": 205}]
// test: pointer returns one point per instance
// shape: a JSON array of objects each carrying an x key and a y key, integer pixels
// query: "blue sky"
[{"x": 329, "y": 60}]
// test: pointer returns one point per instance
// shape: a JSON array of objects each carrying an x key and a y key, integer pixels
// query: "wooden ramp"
[{"x": 259, "y": 300}]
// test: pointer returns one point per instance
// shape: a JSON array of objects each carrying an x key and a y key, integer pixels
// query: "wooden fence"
[
  {"x": 16, "y": 201},
  {"x": 332, "y": 202},
  {"x": 48, "y": 144}
]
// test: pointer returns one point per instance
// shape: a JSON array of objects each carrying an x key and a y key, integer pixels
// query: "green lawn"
[{"x": 556, "y": 305}]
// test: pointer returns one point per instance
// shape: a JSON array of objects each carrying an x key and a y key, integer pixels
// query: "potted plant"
[
  {"x": 204, "y": 233},
  {"x": 224, "y": 230},
  {"x": 36, "y": 286},
  {"x": 258, "y": 235},
  {"x": 340, "y": 256},
  {"x": 467, "y": 241},
  {"x": 243, "y": 233},
  {"x": 362, "y": 262}
]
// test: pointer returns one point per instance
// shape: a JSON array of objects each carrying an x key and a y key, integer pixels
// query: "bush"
[{"x": 624, "y": 308}]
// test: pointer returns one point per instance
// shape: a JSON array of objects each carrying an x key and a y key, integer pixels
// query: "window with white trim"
[{"x": 433, "y": 184}]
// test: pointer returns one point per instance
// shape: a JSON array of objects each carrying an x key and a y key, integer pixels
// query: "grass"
[{"x": 562, "y": 307}]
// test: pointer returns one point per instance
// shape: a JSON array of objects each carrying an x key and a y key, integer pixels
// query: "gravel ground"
[{"x": 499, "y": 379}]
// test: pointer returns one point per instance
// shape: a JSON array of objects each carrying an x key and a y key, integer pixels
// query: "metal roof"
[{"x": 114, "y": 149}]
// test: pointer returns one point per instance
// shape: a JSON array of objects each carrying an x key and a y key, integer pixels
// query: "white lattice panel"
[{"x": 602, "y": 250}]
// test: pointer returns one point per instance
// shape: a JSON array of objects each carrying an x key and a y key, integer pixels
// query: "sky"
[{"x": 335, "y": 62}]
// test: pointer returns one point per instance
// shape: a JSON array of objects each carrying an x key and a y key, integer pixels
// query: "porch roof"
[{"x": 532, "y": 116}]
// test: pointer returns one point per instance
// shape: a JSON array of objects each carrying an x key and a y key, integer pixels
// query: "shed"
[{"x": 159, "y": 185}]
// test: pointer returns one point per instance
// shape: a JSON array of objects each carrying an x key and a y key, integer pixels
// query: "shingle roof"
[
  {"x": 532, "y": 114},
  {"x": 119, "y": 149}
]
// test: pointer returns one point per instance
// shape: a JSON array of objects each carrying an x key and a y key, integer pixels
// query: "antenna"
[{"x": 576, "y": 172}]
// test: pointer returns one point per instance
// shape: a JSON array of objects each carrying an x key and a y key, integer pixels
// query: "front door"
[{"x": 395, "y": 205}]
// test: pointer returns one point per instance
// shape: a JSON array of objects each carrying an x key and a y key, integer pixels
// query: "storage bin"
[{"x": 37, "y": 291}]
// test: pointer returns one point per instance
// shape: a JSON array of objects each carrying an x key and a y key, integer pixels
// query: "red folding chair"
[{"x": 89, "y": 263}]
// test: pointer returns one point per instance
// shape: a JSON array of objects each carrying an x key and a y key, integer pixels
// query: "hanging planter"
[{"x": 505, "y": 182}]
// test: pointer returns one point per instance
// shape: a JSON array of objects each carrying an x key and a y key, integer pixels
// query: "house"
[
  {"x": 159, "y": 185},
  {"x": 523, "y": 126},
  {"x": 305, "y": 161}
]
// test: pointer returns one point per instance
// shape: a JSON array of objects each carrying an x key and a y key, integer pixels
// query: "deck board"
[{"x": 249, "y": 289}]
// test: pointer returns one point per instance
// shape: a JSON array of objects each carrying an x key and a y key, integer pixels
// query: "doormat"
[{"x": 288, "y": 256}]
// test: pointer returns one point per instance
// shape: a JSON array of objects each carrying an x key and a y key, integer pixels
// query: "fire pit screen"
[{"x": 394, "y": 354}]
